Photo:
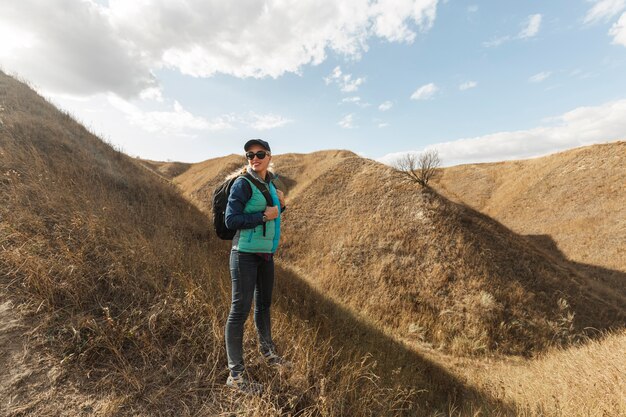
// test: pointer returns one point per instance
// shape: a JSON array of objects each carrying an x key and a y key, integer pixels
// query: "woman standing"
[{"x": 251, "y": 259}]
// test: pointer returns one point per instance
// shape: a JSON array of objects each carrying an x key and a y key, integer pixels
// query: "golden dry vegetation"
[
  {"x": 572, "y": 203},
  {"x": 167, "y": 170},
  {"x": 124, "y": 292},
  {"x": 586, "y": 380},
  {"x": 424, "y": 268},
  {"x": 451, "y": 278}
]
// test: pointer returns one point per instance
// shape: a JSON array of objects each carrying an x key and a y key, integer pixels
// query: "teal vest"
[{"x": 252, "y": 240}]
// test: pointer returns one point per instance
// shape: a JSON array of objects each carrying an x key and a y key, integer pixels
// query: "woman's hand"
[
  {"x": 271, "y": 213},
  {"x": 281, "y": 198}
]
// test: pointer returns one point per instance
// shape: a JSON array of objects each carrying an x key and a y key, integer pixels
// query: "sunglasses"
[{"x": 259, "y": 154}]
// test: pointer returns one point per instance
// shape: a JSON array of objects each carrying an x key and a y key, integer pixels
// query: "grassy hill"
[
  {"x": 167, "y": 170},
  {"x": 586, "y": 380},
  {"x": 109, "y": 262},
  {"x": 114, "y": 291},
  {"x": 571, "y": 203},
  {"x": 427, "y": 270},
  {"x": 199, "y": 180},
  {"x": 123, "y": 293}
]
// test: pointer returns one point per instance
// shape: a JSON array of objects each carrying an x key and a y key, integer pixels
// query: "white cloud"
[
  {"x": 579, "y": 127},
  {"x": 472, "y": 8},
  {"x": 603, "y": 10},
  {"x": 267, "y": 121},
  {"x": 496, "y": 42},
  {"x": 542, "y": 76},
  {"x": 467, "y": 85},
  {"x": 385, "y": 106},
  {"x": 72, "y": 48},
  {"x": 618, "y": 31},
  {"x": 152, "y": 93},
  {"x": 383, "y": 125},
  {"x": 180, "y": 122},
  {"x": 177, "y": 122},
  {"x": 425, "y": 92},
  {"x": 334, "y": 76},
  {"x": 356, "y": 101},
  {"x": 85, "y": 47},
  {"x": 14, "y": 39},
  {"x": 390, "y": 18},
  {"x": 345, "y": 81},
  {"x": 347, "y": 122},
  {"x": 532, "y": 27},
  {"x": 349, "y": 86}
]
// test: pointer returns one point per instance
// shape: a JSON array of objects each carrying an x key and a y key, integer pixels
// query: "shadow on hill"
[
  {"x": 607, "y": 282},
  {"x": 127, "y": 308},
  {"x": 284, "y": 183},
  {"x": 435, "y": 388},
  {"x": 596, "y": 304},
  {"x": 468, "y": 260},
  {"x": 168, "y": 170}
]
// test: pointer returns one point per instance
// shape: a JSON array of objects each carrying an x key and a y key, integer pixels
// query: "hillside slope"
[
  {"x": 432, "y": 270},
  {"x": 104, "y": 258},
  {"x": 120, "y": 295},
  {"x": 199, "y": 181},
  {"x": 587, "y": 380},
  {"x": 114, "y": 292},
  {"x": 167, "y": 170},
  {"x": 576, "y": 197},
  {"x": 424, "y": 268}
]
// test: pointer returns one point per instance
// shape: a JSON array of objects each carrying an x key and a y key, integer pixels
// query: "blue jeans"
[{"x": 252, "y": 277}]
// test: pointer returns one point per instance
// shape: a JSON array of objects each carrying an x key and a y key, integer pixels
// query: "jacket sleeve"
[{"x": 240, "y": 194}]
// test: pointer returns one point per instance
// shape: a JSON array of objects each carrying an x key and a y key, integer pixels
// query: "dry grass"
[
  {"x": 129, "y": 291},
  {"x": 424, "y": 268},
  {"x": 167, "y": 170},
  {"x": 589, "y": 380},
  {"x": 433, "y": 273},
  {"x": 434, "y": 270},
  {"x": 575, "y": 197},
  {"x": 199, "y": 180},
  {"x": 80, "y": 242}
]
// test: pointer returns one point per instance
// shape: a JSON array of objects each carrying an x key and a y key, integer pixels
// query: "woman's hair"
[{"x": 244, "y": 169}]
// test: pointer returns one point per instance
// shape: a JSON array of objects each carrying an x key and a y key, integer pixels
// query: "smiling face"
[{"x": 259, "y": 166}]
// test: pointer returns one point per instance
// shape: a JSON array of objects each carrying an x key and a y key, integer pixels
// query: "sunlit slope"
[
  {"x": 586, "y": 380},
  {"x": 199, "y": 181},
  {"x": 576, "y": 197},
  {"x": 297, "y": 171},
  {"x": 128, "y": 290},
  {"x": 167, "y": 170},
  {"x": 425, "y": 268},
  {"x": 430, "y": 269},
  {"x": 107, "y": 256}
]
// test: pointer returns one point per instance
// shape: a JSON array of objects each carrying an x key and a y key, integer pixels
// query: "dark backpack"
[{"x": 220, "y": 200}]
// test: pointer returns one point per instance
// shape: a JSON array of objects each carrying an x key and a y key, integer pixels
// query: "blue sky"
[{"x": 476, "y": 80}]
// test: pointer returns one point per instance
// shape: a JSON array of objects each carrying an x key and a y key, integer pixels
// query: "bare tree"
[{"x": 419, "y": 168}]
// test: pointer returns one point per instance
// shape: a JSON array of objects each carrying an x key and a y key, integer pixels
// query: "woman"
[{"x": 251, "y": 259}]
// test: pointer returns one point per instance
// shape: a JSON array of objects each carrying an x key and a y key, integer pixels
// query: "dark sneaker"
[
  {"x": 273, "y": 359},
  {"x": 244, "y": 385}
]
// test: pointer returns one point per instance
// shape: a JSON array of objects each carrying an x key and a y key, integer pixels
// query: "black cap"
[{"x": 257, "y": 142}]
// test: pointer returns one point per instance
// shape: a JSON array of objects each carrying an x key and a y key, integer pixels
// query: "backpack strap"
[{"x": 264, "y": 189}]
